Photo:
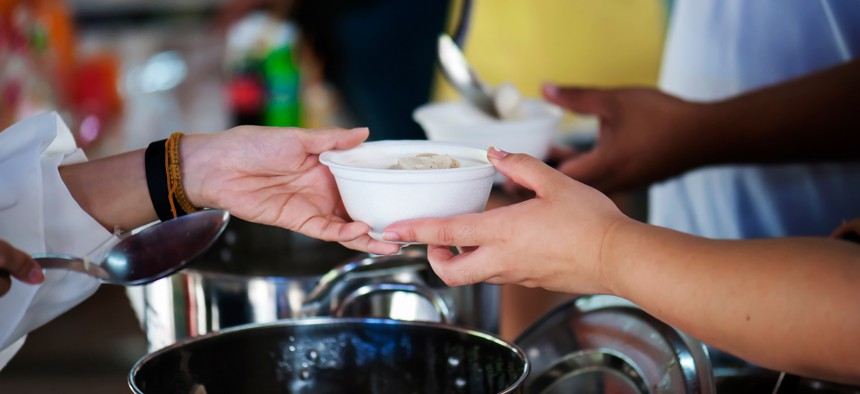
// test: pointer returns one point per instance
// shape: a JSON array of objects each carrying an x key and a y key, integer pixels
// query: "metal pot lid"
[{"x": 605, "y": 344}]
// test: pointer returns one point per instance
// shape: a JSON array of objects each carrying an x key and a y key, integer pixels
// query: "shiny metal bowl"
[{"x": 328, "y": 355}]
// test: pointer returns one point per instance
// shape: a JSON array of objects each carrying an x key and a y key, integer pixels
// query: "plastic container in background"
[{"x": 458, "y": 121}]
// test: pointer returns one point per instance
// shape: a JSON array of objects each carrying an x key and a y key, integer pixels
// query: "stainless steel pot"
[
  {"x": 604, "y": 344},
  {"x": 326, "y": 355},
  {"x": 259, "y": 274}
]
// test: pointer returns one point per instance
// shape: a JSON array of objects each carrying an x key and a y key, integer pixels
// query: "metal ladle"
[
  {"x": 456, "y": 69},
  {"x": 460, "y": 74},
  {"x": 155, "y": 252}
]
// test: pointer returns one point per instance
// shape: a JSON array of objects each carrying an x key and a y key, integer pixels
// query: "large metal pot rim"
[
  {"x": 320, "y": 321},
  {"x": 243, "y": 277},
  {"x": 354, "y": 263}
]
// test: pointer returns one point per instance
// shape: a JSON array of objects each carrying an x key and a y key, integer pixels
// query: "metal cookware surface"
[
  {"x": 604, "y": 344},
  {"x": 326, "y": 355},
  {"x": 260, "y": 274},
  {"x": 754, "y": 380}
]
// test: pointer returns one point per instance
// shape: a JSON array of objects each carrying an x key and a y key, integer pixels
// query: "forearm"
[
  {"x": 812, "y": 118},
  {"x": 788, "y": 304},
  {"x": 112, "y": 190}
]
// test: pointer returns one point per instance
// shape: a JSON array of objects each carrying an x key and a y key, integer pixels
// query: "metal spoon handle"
[
  {"x": 786, "y": 383},
  {"x": 456, "y": 69},
  {"x": 53, "y": 260},
  {"x": 68, "y": 262},
  {"x": 778, "y": 383},
  {"x": 463, "y": 24}
]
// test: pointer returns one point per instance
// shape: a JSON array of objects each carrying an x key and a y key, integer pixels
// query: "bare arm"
[
  {"x": 789, "y": 304},
  {"x": 811, "y": 118},
  {"x": 260, "y": 174},
  {"x": 647, "y": 136},
  {"x": 112, "y": 190}
]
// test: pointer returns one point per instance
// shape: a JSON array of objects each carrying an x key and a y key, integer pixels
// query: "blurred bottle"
[
  {"x": 281, "y": 73},
  {"x": 264, "y": 87},
  {"x": 246, "y": 92}
]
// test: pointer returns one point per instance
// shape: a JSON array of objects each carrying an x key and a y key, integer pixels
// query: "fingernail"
[
  {"x": 35, "y": 276},
  {"x": 357, "y": 129},
  {"x": 496, "y": 153},
  {"x": 550, "y": 89},
  {"x": 390, "y": 236}
]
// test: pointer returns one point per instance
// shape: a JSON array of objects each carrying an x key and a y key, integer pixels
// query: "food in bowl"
[
  {"x": 531, "y": 133},
  {"x": 508, "y": 102},
  {"x": 375, "y": 193},
  {"x": 426, "y": 161}
]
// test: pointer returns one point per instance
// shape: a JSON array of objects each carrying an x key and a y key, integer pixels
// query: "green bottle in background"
[{"x": 281, "y": 76}]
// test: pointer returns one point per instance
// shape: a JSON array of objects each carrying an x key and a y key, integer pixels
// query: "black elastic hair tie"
[{"x": 156, "y": 179}]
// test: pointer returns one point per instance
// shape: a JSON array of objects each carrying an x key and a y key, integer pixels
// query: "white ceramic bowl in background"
[
  {"x": 457, "y": 121},
  {"x": 375, "y": 194}
]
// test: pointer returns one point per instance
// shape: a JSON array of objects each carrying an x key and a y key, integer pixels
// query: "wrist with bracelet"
[{"x": 164, "y": 179}]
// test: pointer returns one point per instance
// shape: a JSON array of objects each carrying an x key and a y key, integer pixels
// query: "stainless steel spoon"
[
  {"x": 155, "y": 252},
  {"x": 460, "y": 74}
]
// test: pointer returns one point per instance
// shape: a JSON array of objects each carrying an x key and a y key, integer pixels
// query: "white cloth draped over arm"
[{"x": 38, "y": 214}]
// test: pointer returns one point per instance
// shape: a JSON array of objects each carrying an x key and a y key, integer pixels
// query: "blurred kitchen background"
[{"x": 123, "y": 73}]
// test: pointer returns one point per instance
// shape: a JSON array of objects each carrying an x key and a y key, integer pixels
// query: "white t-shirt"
[
  {"x": 722, "y": 48},
  {"x": 38, "y": 214}
]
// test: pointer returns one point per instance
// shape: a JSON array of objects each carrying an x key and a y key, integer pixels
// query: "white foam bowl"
[
  {"x": 458, "y": 121},
  {"x": 375, "y": 194}
]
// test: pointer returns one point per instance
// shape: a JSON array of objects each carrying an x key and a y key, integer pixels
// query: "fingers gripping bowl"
[{"x": 375, "y": 192}]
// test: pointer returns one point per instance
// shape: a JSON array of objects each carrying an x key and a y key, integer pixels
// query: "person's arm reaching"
[
  {"x": 265, "y": 175},
  {"x": 788, "y": 304},
  {"x": 812, "y": 118},
  {"x": 647, "y": 136}
]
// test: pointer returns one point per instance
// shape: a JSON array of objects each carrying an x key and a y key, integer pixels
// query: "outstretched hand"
[
  {"x": 645, "y": 136},
  {"x": 552, "y": 240},
  {"x": 273, "y": 176}
]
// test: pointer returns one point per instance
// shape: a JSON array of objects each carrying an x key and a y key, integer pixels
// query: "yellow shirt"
[{"x": 582, "y": 42}]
